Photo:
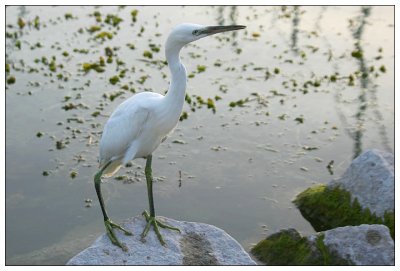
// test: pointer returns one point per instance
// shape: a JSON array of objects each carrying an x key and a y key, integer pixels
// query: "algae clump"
[
  {"x": 93, "y": 66},
  {"x": 11, "y": 80},
  {"x": 103, "y": 35}
]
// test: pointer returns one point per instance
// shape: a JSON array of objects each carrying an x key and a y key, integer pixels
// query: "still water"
[{"x": 268, "y": 109}]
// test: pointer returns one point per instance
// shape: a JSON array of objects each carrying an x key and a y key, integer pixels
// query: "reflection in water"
[
  {"x": 367, "y": 96},
  {"x": 356, "y": 136},
  {"x": 232, "y": 19},
  {"x": 295, "y": 29},
  {"x": 22, "y": 11},
  {"x": 10, "y": 46},
  {"x": 357, "y": 34},
  {"x": 319, "y": 18},
  {"x": 233, "y": 15},
  {"x": 287, "y": 12}
]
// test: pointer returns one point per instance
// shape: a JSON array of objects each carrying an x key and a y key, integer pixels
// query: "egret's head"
[{"x": 185, "y": 33}]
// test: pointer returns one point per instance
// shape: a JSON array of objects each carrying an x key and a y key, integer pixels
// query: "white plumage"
[{"x": 135, "y": 129}]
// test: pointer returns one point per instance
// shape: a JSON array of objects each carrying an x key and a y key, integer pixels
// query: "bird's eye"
[{"x": 195, "y": 32}]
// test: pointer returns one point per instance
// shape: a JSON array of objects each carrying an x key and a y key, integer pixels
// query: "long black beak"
[{"x": 211, "y": 30}]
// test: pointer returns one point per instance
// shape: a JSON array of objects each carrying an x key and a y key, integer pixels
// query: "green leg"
[
  {"x": 107, "y": 222},
  {"x": 151, "y": 219}
]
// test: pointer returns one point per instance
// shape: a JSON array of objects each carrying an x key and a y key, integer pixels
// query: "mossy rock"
[
  {"x": 288, "y": 247},
  {"x": 330, "y": 207}
]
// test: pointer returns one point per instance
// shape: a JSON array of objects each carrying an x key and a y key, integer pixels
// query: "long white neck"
[{"x": 175, "y": 96}]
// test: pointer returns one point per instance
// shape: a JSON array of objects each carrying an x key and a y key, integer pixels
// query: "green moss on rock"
[
  {"x": 330, "y": 207},
  {"x": 288, "y": 247}
]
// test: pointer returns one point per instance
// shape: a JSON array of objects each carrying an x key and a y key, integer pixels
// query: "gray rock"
[
  {"x": 350, "y": 245},
  {"x": 370, "y": 179},
  {"x": 362, "y": 245},
  {"x": 197, "y": 244}
]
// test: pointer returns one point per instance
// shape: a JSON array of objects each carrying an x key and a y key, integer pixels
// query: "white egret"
[{"x": 139, "y": 124}]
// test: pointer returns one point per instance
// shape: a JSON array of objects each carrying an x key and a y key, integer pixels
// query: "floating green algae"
[
  {"x": 11, "y": 80},
  {"x": 147, "y": 54},
  {"x": 103, "y": 35},
  {"x": 113, "y": 20},
  {"x": 93, "y": 66},
  {"x": 113, "y": 80}
]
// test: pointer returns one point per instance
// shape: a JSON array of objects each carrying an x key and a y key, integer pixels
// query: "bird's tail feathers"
[{"x": 111, "y": 169}]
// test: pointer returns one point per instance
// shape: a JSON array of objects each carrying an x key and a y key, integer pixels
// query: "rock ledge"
[{"x": 197, "y": 244}]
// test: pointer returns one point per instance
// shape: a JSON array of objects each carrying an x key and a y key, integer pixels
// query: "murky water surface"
[{"x": 268, "y": 109}]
